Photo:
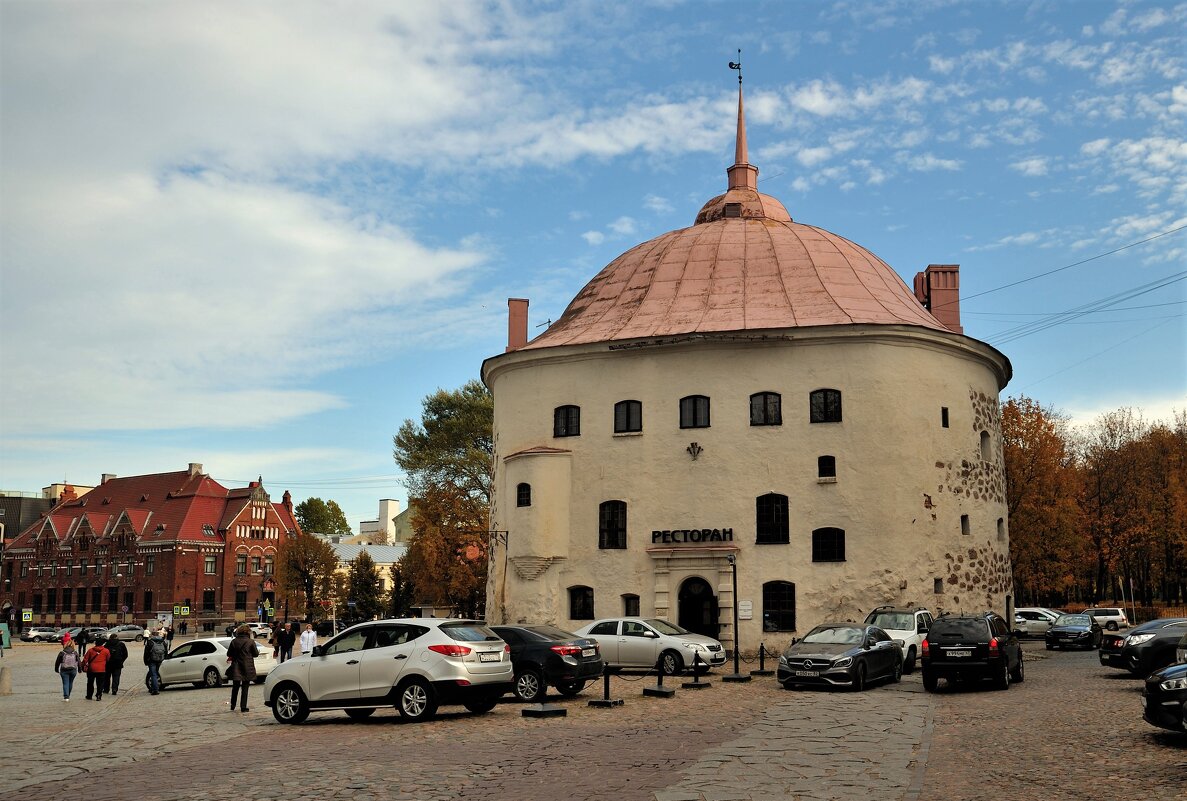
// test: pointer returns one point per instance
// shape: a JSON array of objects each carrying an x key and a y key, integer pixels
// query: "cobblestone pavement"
[{"x": 1072, "y": 730}]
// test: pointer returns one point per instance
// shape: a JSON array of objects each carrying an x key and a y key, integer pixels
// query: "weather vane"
[{"x": 737, "y": 65}]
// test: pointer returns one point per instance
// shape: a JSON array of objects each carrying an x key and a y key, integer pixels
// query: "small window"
[
  {"x": 270, "y": 566},
  {"x": 256, "y": 567},
  {"x": 211, "y": 565},
  {"x": 240, "y": 600},
  {"x": 112, "y": 598},
  {"x": 581, "y": 603},
  {"x": 241, "y": 565},
  {"x": 985, "y": 446},
  {"x": 80, "y": 604},
  {"x": 732, "y": 210},
  {"x": 150, "y": 568},
  {"x": 611, "y": 525},
  {"x": 630, "y": 605},
  {"x": 828, "y": 545},
  {"x": 770, "y": 512},
  {"x": 778, "y": 606},
  {"x": 51, "y": 600},
  {"x": 766, "y": 409},
  {"x": 965, "y": 527},
  {"x": 1001, "y": 528},
  {"x": 207, "y": 600},
  {"x": 694, "y": 412},
  {"x": 523, "y": 494},
  {"x": 825, "y": 406},
  {"x": 826, "y": 467},
  {"x": 944, "y": 416},
  {"x": 148, "y": 600},
  {"x": 96, "y": 598},
  {"x": 628, "y": 416},
  {"x": 566, "y": 421}
]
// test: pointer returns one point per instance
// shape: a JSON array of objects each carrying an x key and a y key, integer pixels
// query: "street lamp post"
[{"x": 737, "y": 675}]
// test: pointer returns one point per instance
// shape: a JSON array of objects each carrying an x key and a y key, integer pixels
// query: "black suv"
[{"x": 960, "y": 647}]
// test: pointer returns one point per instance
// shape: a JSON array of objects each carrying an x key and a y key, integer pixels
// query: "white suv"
[
  {"x": 1110, "y": 617},
  {"x": 907, "y": 625},
  {"x": 414, "y": 664}
]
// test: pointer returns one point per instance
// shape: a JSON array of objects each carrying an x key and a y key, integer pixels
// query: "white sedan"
[{"x": 203, "y": 663}]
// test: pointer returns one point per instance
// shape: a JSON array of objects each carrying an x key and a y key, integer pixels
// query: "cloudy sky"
[{"x": 255, "y": 235}]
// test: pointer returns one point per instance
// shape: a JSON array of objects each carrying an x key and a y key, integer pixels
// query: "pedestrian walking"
[
  {"x": 155, "y": 651},
  {"x": 84, "y": 637},
  {"x": 94, "y": 663},
  {"x": 66, "y": 666},
  {"x": 115, "y": 663},
  {"x": 308, "y": 639},
  {"x": 286, "y": 638},
  {"x": 241, "y": 655},
  {"x": 169, "y": 636}
]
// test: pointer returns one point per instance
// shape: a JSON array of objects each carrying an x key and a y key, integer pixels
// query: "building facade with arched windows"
[{"x": 756, "y": 387}]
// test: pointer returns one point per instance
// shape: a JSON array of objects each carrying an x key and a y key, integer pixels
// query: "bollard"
[
  {"x": 5, "y": 681},
  {"x": 605, "y": 701},
  {"x": 762, "y": 662},
  {"x": 659, "y": 690},
  {"x": 696, "y": 683}
]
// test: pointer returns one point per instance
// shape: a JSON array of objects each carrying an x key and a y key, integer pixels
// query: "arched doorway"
[{"x": 697, "y": 607}]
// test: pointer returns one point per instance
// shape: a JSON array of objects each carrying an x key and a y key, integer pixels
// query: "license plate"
[
  {"x": 490, "y": 657},
  {"x": 588, "y": 651},
  {"x": 960, "y": 653},
  {"x": 807, "y": 672}
]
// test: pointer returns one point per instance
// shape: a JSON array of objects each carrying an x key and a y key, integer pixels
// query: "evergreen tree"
[{"x": 363, "y": 587}]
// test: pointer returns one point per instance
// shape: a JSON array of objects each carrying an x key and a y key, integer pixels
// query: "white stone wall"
[{"x": 902, "y": 483}]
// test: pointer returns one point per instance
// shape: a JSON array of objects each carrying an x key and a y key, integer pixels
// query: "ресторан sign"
[{"x": 693, "y": 535}]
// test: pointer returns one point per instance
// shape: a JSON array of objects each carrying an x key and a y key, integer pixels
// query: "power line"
[
  {"x": 1093, "y": 356},
  {"x": 1061, "y": 269},
  {"x": 1044, "y": 314}
]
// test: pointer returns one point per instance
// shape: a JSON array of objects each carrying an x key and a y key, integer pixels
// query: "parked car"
[
  {"x": 39, "y": 634},
  {"x": 1112, "y": 646},
  {"x": 414, "y": 663},
  {"x": 60, "y": 634},
  {"x": 128, "y": 632},
  {"x": 328, "y": 627},
  {"x": 258, "y": 630},
  {"x": 976, "y": 647},
  {"x": 643, "y": 643},
  {"x": 908, "y": 625},
  {"x": 1073, "y": 631},
  {"x": 1143, "y": 652},
  {"x": 1033, "y": 621},
  {"x": 841, "y": 655},
  {"x": 203, "y": 663},
  {"x": 545, "y": 656},
  {"x": 1111, "y": 617},
  {"x": 1164, "y": 698}
]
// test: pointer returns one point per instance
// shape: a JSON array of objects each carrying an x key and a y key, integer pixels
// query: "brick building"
[{"x": 136, "y": 546}]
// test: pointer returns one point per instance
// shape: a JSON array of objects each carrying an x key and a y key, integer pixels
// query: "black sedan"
[
  {"x": 1112, "y": 645},
  {"x": 1073, "y": 631},
  {"x": 1164, "y": 698},
  {"x": 545, "y": 656},
  {"x": 841, "y": 655},
  {"x": 1147, "y": 650}
]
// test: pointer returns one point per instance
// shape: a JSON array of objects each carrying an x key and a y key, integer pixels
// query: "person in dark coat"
[
  {"x": 241, "y": 655},
  {"x": 84, "y": 637},
  {"x": 117, "y": 655},
  {"x": 286, "y": 638}
]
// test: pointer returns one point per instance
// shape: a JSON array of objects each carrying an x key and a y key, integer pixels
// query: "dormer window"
[{"x": 732, "y": 210}]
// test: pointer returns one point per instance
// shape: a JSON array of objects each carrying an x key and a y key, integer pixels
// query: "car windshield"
[
  {"x": 834, "y": 635},
  {"x": 1073, "y": 620},
  {"x": 469, "y": 632},
  {"x": 664, "y": 627},
  {"x": 900, "y": 621}
]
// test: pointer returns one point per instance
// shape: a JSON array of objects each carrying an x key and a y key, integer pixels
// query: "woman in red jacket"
[{"x": 95, "y": 665}]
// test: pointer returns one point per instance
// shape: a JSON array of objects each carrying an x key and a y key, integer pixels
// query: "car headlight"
[
  {"x": 1138, "y": 639},
  {"x": 844, "y": 662},
  {"x": 782, "y": 659},
  {"x": 1083, "y": 634},
  {"x": 692, "y": 646},
  {"x": 1174, "y": 684}
]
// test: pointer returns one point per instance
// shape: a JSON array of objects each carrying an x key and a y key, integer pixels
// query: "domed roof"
[{"x": 744, "y": 265}]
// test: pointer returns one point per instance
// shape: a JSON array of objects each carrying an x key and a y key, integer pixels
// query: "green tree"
[
  {"x": 305, "y": 568},
  {"x": 447, "y": 459},
  {"x": 322, "y": 517},
  {"x": 362, "y": 584},
  {"x": 400, "y": 599}
]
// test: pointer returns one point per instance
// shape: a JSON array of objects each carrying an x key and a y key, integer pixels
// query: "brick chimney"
[
  {"x": 517, "y": 323},
  {"x": 195, "y": 468},
  {"x": 938, "y": 289}
]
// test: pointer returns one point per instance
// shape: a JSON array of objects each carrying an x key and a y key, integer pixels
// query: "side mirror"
[
  {"x": 651, "y": 635},
  {"x": 318, "y": 651}
]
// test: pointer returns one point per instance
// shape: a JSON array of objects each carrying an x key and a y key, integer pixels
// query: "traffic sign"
[
  {"x": 124, "y": 609},
  {"x": 185, "y": 610},
  {"x": 27, "y": 615},
  {"x": 176, "y": 609}
]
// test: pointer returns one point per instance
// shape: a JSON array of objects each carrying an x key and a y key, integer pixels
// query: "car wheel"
[
  {"x": 859, "y": 678},
  {"x": 670, "y": 663},
  {"x": 289, "y": 704},
  {"x": 929, "y": 682},
  {"x": 360, "y": 714},
  {"x": 1111, "y": 626},
  {"x": 480, "y": 706},
  {"x": 1019, "y": 674},
  {"x": 897, "y": 675},
  {"x": 571, "y": 688},
  {"x": 909, "y": 662},
  {"x": 1002, "y": 680},
  {"x": 36, "y": 639},
  {"x": 211, "y": 678},
  {"x": 529, "y": 686},
  {"x": 416, "y": 700},
  {"x": 139, "y": 638}
]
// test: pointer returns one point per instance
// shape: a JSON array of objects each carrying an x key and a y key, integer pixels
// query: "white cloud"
[
  {"x": 657, "y": 204},
  {"x": 594, "y": 237},
  {"x": 1034, "y": 166},
  {"x": 940, "y": 64},
  {"x": 623, "y": 226},
  {"x": 811, "y": 156},
  {"x": 1095, "y": 147},
  {"x": 928, "y": 163}
]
